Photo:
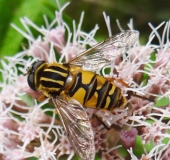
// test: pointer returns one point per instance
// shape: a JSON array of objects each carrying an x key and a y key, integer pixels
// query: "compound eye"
[
  {"x": 37, "y": 64},
  {"x": 30, "y": 80},
  {"x": 31, "y": 74}
]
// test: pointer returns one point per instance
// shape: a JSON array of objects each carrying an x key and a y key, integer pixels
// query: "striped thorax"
[{"x": 48, "y": 78}]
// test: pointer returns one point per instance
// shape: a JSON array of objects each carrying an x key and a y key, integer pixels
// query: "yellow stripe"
[
  {"x": 87, "y": 76},
  {"x": 54, "y": 71},
  {"x": 99, "y": 87},
  {"x": 52, "y": 80},
  {"x": 79, "y": 95},
  {"x": 107, "y": 102},
  {"x": 35, "y": 75},
  {"x": 96, "y": 94},
  {"x": 44, "y": 89},
  {"x": 112, "y": 90}
]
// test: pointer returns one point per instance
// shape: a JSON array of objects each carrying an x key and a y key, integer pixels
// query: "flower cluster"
[{"x": 29, "y": 128}]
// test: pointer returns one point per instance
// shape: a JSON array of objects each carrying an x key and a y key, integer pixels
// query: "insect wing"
[
  {"x": 106, "y": 51},
  {"x": 77, "y": 126}
]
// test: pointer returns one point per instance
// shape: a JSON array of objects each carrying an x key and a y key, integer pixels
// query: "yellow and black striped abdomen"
[
  {"x": 53, "y": 79},
  {"x": 94, "y": 91}
]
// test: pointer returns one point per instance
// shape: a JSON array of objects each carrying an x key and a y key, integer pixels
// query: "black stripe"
[
  {"x": 50, "y": 84},
  {"x": 106, "y": 95},
  {"x": 113, "y": 98},
  {"x": 54, "y": 76},
  {"x": 90, "y": 89},
  {"x": 120, "y": 102},
  {"x": 101, "y": 93},
  {"x": 58, "y": 69},
  {"x": 77, "y": 84}
]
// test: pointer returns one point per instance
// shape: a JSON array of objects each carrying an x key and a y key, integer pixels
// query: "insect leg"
[{"x": 105, "y": 120}]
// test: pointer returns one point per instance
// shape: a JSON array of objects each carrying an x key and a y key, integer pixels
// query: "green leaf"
[
  {"x": 7, "y": 10},
  {"x": 138, "y": 149},
  {"x": 123, "y": 152},
  {"x": 97, "y": 158},
  {"x": 150, "y": 121},
  {"x": 27, "y": 100},
  {"x": 166, "y": 140},
  {"x": 32, "y": 158},
  {"x": 162, "y": 102},
  {"x": 13, "y": 39},
  {"x": 34, "y": 10},
  {"x": 149, "y": 146}
]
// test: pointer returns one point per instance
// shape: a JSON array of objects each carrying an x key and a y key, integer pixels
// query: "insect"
[{"x": 74, "y": 85}]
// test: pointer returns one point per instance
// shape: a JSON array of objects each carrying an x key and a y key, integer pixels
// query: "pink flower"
[
  {"x": 110, "y": 155},
  {"x": 166, "y": 154},
  {"x": 128, "y": 138},
  {"x": 160, "y": 85},
  {"x": 57, "y": 36},
  {"x": 101, "y": 142},
  {"x": 65, "y": 147},
  {"x": 154, "y": 132},
  {"x": 39, "y": 49},
  {"x": 29, "y": 128}
]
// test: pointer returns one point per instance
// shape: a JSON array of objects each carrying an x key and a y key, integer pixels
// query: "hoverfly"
[{"x": 74, "y": 85}]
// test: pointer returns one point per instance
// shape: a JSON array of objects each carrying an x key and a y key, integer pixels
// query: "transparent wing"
[
  {"x": 77, "y": 126},
  {"x": 105, "y": 52}
]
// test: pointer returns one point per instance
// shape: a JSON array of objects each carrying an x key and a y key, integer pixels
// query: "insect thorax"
[{"x": 52, "y": 79}]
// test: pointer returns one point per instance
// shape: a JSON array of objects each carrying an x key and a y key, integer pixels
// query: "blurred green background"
[{"x": 142, "y": 12}]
